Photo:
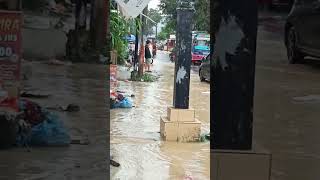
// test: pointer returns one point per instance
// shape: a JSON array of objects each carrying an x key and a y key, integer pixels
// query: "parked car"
[
  {"x": 204, "y": 70},
  {"x": 198, "y": 53},
  {"x": 302, "y": 37}
]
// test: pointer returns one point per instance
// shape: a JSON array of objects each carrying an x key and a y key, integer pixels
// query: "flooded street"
[
  {"x": 81, "y": 84},
  {"x": 287, "y": 106},
  {"x": 135, "y": 133}
]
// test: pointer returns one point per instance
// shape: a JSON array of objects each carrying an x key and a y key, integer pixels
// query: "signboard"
[
  {"x": 10, "y": 59},
  {"x": 132, "y": 8}
]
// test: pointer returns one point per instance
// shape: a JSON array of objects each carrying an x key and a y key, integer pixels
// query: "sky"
[{"x": 153, "y": 4}]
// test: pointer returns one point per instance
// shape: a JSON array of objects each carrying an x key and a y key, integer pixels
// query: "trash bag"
[
  {"x": 32, "y": 111},
  {"x": 125, "y": 103},
  {"x": 50, "y": 132}
]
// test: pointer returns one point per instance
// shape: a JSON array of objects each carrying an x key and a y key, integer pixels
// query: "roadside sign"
[
  {"x": 132, "y": 8},
  {"x": 10, "y": 59}
]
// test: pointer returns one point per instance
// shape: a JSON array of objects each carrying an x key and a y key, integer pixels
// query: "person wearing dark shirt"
[{"x": 148, "y": 55}]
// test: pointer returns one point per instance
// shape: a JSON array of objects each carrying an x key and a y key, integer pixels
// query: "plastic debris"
[
  {"x": 124, "y": 103},
  {"x": 31, "y": 95},
  {"x": 50, "y": 133},
  {"x": 40, "y": 127},
  {"x": 114, "y": 163},
  {"x": 205, "y": 137}
]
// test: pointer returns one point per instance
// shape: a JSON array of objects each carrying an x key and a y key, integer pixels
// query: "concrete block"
[
  {"x": 173, "y": 114},
  {"x": 235, "y": 165},
  {"x": 186, "y": 115},
  {"x": 189, "y": 131},
  {"x": 181, "y": 114},
  {"x": 168, "y": 129}
]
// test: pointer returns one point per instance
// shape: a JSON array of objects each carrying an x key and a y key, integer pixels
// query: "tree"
[
  {"x": 166, "y": 31},
  {"x": 162, "y": 36},
  {"x": 155, "y": 15},
  {"x": 201, "y": 17},
  {"x": 119, "y": 28}
]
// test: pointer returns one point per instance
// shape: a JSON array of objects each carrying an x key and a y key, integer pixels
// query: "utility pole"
[
  {"x": 183, "y": 131},
  {"x": 136, "y": 47},
  {"x": 156, "y": 31},
  {"x": 141, "y": 59},
  {"x": 234, "y": 35},
  {"x": 183, "y": 48}
]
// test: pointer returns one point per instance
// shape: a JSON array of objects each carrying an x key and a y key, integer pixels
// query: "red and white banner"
[{"x": 10, "y": 59}]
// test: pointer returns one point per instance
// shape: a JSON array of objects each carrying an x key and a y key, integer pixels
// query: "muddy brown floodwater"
[
  {"x": 81, "y": 84},
  {"x": 135, "y": 137}
]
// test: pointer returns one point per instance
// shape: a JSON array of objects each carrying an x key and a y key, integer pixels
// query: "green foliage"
[
  {"x": 162, "y": 36},
  {"x": 168, "y": 29},
  {"x": 155, "y": 15},
  {"x": 146, "y": 77},
  {"x": 119, "y": 28},
  {"x": 134, "y": 24},
  {"x": 201, "y": 16}
]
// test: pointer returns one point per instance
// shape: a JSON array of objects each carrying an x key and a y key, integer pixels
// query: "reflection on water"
[{"x": 135, "y": 137}]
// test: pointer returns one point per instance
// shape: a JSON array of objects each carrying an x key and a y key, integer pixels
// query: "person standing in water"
[{"x": 148, "y": 55}]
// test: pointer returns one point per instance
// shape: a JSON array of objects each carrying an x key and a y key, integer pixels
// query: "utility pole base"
[
  {"x": 180, "y": 125},
  {"x": 240, "y": 165}
]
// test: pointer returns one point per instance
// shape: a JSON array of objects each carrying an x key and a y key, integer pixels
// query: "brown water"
[
  {"x": 86, "y": 86},
  {"x": 135, "y": 138}
]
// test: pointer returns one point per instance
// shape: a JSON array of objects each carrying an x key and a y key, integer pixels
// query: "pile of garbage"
[
  {"x": 118, "y": 100},
  {"x": 35, "y": 126}
]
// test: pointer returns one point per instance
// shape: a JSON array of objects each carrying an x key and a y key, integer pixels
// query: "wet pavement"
[
  {"x": 81, "y": 84},
  {"x": 135, "y": 137},
  {"x": 287, "y": 108}
]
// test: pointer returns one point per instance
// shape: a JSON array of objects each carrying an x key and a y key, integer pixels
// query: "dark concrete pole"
[
  {"x": 234, "y": 32},
  {"x": 142, "y": 32},
  {"x": 183, "y": 49}
]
